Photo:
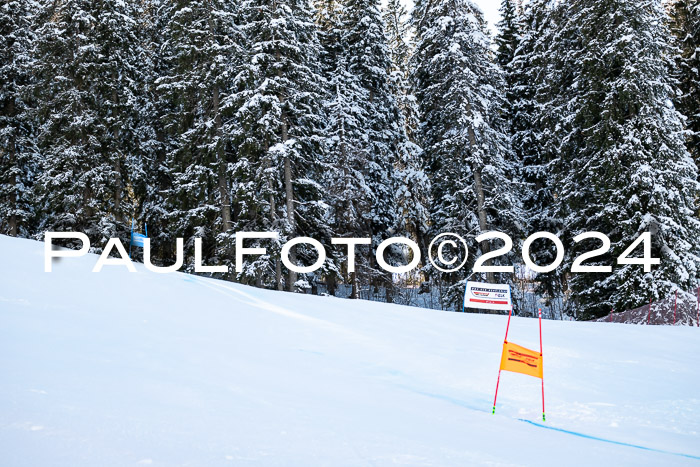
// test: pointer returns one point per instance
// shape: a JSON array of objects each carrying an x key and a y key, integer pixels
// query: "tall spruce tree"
[
  {"x": 399, "y": 39},
  {"x": 507, "y": 42},
  {"x": 508, "y": 34},
  {"x": 279, "y": 142},
  {"x": 467, "y": 149},
  {"x": 685, "y": 25},
  {"x": 88, "y": 58},
  {"x": 202, "y": 54},
  {"x": 369, "y": 62},
  {"x": 19, "y": 158},
  {"x": 349, "y": 194},
  {"x": 151, "y": 183},
  {"x": 413, "y": 188},
  {"x": 625, "y": 169},
  {"x": 542, "y": 80}
]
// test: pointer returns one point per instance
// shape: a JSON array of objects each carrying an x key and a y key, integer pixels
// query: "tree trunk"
[
  {"x": 290, "y": 216},
  {"x": 13, "y": 157},
  {"x": 389, "y": 289},
  {"x": 278, "y": 274},
  {"x": 273, "y": 219},
  {"x": 485, "y": 246},
  {"x": 221, "y": 159},
  {"x": 289, "y": 192},
  {"x": 353, "y": 281},
  {"x": 331, "y": 283},
  {"x": 220, "y": 156},
  {"x": 116, "y": 132}
]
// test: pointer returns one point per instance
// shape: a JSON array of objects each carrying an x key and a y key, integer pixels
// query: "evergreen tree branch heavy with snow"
[
  {"x": 507, "y": 42},
  {"x": 414, "y": 187}
]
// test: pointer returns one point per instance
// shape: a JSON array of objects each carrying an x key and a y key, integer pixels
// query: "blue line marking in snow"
[
  {"x": 449, "y": 399},
  {"x": 461, "y": 403},
  {"x": 604, "y": 440}
]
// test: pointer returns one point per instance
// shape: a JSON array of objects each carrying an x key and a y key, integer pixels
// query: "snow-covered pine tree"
[
  {"x": 151, "y": 181},
  {"x": 467, "y": 149},
  {"x": 413, "y": 188},
  {"x": 349, "y": 195},
  {"x": 369, "y": 62},
  {"x": 507, "y": 41},
  {"x": 345, "y": 156},
  {"x": 279, "y": 144},
  {"x": 88, "y": 59},
  {"x": 329, "y": 16},
  {"x": 19, "y": 159},
  {"x": 399, "y": 38},
  {"x": 508, "y": 34},
  {"x": 685, "y": 25},
  {"x": 540, "y": 92},
  {"x": 398, "y": 33},
  {"x": 202, "y": 54},
  {"x": 625, "y": 169}
]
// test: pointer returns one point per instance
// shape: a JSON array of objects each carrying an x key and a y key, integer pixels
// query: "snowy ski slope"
[{"x": 119, "y": 369}]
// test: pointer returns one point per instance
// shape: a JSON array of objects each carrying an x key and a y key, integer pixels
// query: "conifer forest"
[{"x": 361, "y": 118}]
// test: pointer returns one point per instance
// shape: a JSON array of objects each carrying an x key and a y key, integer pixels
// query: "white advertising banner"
[{"x": 487, "y": 296}]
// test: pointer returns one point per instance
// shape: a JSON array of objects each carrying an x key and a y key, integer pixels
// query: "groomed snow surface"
[{"x": 119, "y": 369}]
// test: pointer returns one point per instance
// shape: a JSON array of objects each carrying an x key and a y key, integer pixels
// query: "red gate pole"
[
  {"x": 493, "y": 411},
  {"x": 675, "y": 304},
  {"x": 611, "y": 311},
  {"x": 649, "y": 313},
  {"x": 505, "y": 340},
  {"x": 540, "y": 318}
]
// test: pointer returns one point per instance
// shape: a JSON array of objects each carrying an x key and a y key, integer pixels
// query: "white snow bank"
[{"x": 118, "y": 369}]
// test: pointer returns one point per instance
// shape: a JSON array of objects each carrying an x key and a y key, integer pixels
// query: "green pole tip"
[
  {"x": 543, "y": 419},
  {"x": 493, "y": 412}
]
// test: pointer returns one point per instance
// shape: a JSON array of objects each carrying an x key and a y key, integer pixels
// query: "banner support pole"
[
  {"x": 493, "y": 411},
  {"x": 540, "y": 319},
  {"x": 464, "y": 305},
  {"x": 505, "y": 340},
  {"x": 508, "y": 325},
  {"x": 697, "y": 316},
  {"x": 649, "y": 312},
  {"x": 131, "y": 237}
]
